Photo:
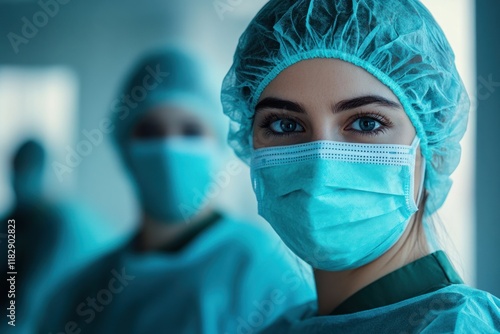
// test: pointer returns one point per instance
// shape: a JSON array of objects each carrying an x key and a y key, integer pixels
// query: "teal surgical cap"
[
  {"x": 397, "y": 41},
  {"x": 171, "y": 77}
]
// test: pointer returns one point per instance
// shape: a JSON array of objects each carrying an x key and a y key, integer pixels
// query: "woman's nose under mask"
[{"x": 337, "y": 205}]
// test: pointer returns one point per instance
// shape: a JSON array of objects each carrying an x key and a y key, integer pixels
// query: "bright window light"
[
  {"x": 456, "y": 17},
  {"x": 39, "y": 103}
]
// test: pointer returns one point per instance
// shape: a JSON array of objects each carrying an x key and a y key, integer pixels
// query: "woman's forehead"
[{"x": 325, "y": 80}]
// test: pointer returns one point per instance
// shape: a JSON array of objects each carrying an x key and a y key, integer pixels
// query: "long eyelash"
[
  {"x": 268, "y": 119},
  {"x": 270, "y": 133},
  {"x": 386, "y": 123},
  {"x": 373, "y": 114},
  {"x": 372, "y": 133}
]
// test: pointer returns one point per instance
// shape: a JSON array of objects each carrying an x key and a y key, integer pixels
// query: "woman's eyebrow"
[
  {"x": 275, "y": 103},
  {"x": 363, "y": 101},
  {"x": 344, "y": 105}
]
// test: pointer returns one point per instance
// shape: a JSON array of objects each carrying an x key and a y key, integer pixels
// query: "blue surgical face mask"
[
  {"x": 173, "y": 175},
  {"x": 336, "y": 205}
]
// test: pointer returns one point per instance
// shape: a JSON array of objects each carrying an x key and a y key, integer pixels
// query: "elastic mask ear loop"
[
  {"x": 414, "y": 146},
  {"x": 422, "y": 178},
  {"x": 414, "y": 143}
]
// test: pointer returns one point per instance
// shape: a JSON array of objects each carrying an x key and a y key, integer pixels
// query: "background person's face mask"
[
  {"x": 336, "y": 205},
  {"x": 173, "y": 175}
]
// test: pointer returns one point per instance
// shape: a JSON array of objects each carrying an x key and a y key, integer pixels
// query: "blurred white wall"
[
  {"x": 38, "y": 102},
  {"x": 457, "y": 19}
]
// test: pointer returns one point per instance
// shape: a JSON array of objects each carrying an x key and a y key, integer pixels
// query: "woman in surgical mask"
[
  {"x": 189, "y": 268},
  {"x": 350, "y": 114}
]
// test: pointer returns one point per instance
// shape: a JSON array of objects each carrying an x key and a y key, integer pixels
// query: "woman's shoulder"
[
  {"x": 453, "y": 309},
  {"x": 476, "y": 307},
  {"x": 457, "y": 308}
]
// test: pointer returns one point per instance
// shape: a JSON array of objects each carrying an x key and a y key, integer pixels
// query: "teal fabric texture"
[
  {"x": 215, "y": 284},
  {"x": 323, "y": 216},
  {"x": 396, "y": 41},
  {"x": 173, "y": 175},
  {"x": 453, "y": 309}
]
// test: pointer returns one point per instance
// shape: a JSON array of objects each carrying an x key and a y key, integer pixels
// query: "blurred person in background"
[
  {"x": 36, "y": 232},
  {"x": 189, "y": 268},
  {"x": 52, "y": 234}
]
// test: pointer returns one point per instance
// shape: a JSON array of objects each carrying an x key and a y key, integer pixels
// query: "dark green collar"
[
  {"x": 424, "y": 275},
  {"x": 191, "y": 234},
  {"x": 184, "y": 239}
]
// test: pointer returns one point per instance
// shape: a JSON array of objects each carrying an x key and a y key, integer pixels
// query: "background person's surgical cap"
[
  {"x": 170, "y": 77},
  {"x": 397, "y": 41}
]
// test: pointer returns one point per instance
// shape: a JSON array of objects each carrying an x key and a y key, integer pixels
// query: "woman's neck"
[
  {"x": 333, "y": 288},
  {"x": 155, "y": 234}
]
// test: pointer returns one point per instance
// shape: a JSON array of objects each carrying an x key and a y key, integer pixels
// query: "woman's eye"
[
  {"x": 285, "y": 126},
  {"x": 365, "y": 124}
]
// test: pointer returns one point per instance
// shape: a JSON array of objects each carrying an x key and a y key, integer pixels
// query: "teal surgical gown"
[
  {"x": 426, "y": 296},
  {"x": 232, "y": 277}
]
